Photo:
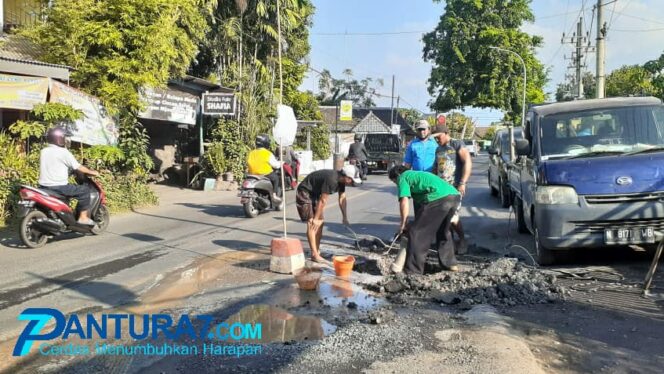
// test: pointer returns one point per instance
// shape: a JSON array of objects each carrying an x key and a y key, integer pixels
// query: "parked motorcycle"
[
  {"x": 256, "y": 196},
  {"x": 46, "y": 213}
]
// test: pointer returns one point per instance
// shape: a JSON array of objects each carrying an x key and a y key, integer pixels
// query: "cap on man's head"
[
  {"x": 440, "y": 129},
  {"x": 352, "y": 172},
  {"x": 421, "y": 124}
]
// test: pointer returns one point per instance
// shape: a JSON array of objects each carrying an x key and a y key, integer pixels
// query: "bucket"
[
  {"x": 343, "y": 265},
  {"x": 307, "y": 278}
]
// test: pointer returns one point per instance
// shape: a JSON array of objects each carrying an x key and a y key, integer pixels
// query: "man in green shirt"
[{"x": 437, "y": 202}]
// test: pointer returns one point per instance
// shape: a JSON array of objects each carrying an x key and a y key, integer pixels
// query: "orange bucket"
[{"x": 343, "y": 265}]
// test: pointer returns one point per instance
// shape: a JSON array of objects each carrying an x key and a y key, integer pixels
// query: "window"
[{"x": 615, "y": 130}]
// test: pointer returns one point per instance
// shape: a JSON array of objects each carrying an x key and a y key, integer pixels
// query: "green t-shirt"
[{"x": 423, "y": 187}]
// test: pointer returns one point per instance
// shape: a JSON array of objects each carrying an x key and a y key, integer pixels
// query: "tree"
[
  {"x": 656, "y": 70},
  {"x": 460, "y": 125},
  {"x": 467, "y": 72},
  {"x": 305, "y": 107},
  {"x": 490, "y": 133},
  {"x": 361, "y": 93},
  {"x": 118, "y": 47},
  {"x": 629, "y": 81},
  {"x": 410, "y": 115},
  {"x": 241, "y": 51},
  {"x": 566, "y": 91}
]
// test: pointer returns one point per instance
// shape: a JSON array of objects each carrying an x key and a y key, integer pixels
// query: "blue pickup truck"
[{"x": 590, "y": 173}]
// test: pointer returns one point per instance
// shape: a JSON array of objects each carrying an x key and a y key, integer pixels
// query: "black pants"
[
  {"x": 431, "y": 220},
  {"x": 76, "y": 191},
  {"x": 275, "y": 178},
  {"x": 364, "y": 168}
]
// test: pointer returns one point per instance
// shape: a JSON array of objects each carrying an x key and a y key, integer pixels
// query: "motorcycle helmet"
[
  {"x": 56, "y": 135},
  {"x": 262, "y": 141},
  {"x": 358, "y": 137}
]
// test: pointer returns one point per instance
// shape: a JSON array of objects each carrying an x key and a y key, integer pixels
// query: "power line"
[
  {"x": 370, "y": 33},
  {"x": 639, "y": 30}
]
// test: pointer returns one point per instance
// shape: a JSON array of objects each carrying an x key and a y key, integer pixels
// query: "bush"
[
  {"x": 127, "y": 191},
  {"x": 16, "y": 168}
]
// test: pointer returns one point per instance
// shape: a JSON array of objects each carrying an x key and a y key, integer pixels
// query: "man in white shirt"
[{"x": 55, "y": 163}]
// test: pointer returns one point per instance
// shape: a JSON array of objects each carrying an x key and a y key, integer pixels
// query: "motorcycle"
[
  {"x": 289, "y": 177},
  {"x": 360, "y": 165},
  {"x": 46, "y": 213},
  {"x": 256, "y": 196}
]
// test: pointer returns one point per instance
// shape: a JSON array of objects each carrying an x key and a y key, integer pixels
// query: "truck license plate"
[{"x": 632, "y": 235}]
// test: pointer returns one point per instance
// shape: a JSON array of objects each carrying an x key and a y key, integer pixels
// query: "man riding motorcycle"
[
  {"x": 358, "y": 152},
  {"x": 261, "y": 161},
  {"x": 55, "y": 163}
]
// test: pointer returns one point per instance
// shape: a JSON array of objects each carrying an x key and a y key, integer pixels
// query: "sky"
[{"x": 344, "y": 36}]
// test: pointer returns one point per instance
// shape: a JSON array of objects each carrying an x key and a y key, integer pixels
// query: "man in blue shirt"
[{"x": 421, "y": 152}]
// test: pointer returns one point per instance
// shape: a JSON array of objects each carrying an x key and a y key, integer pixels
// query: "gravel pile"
[{"x": 502, "y": 282}]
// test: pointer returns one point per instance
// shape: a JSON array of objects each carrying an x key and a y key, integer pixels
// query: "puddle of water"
[
  {"x": 279, "y": 325},
  {"x": 332, "y": 291}
]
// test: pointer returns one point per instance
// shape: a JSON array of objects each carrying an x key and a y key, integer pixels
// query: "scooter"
[
  {"x": 360, "y": 165},
  {"x": 256, "y": 196},
  {"x": 46, "y": 213}
]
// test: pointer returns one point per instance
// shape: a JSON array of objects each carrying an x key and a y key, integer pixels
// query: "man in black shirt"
[
  {"x": 311, "y": 198},
  {"x": 358, "y": 152}
]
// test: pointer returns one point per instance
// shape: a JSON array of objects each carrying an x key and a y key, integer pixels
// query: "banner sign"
[
  {"x": 219, "y": 104},
  {"x": 346, "y": 110},
  {"x": 22, "y": 93},
  {"x": 96, "y": 127},
  {"x": 170, "y": 105}
]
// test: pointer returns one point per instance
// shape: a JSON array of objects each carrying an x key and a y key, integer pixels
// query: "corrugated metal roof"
[{"x": 19, "y": 49}]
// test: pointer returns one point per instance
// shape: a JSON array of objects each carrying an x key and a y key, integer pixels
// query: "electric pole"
[
  {"x": 392, "y": 103},
  {"x": 579, "y": 54},
  {"x": 601, "y": 34}
]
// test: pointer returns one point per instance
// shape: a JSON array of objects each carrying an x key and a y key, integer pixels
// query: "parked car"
[
  {"x": 471, "y": 146},
  {"x": 499, "y": 159},
  {"x": 384, "y": 151},
  {"x": 590, "y": 175}
]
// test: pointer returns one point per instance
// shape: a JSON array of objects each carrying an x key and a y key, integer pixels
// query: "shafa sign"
[{"x": 219, "y": 104}]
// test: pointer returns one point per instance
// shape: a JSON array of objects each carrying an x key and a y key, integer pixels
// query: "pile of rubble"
[{"x": 502, "y": 282}]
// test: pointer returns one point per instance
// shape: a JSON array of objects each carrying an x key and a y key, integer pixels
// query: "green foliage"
[
  {"x": 489, "y": 133},
  {"x": 305, "y": 106},
  {"x": 566, "y": 91},
  {"x": 410, "y": 115},
  {"x": 27, "y": 129},
  {"x": 235, "y": 149},
  {"x": 55, "y": 113},
  {"x": 214, "y": 159},
  {"x": 361, "y": 93},
  {"x": 125, "y": 192},
  {"x": 656, "y": 70},
  {"x": 466, "y": 72},
  {"x": 460, "y": 125},
  {"x": 16, "y": 168},
  {"x": 104, "y": 157},
  {"x": 134, "y": 142},
  {"x": 116, "y": 47},
  {"x": 631, "y": 80}
]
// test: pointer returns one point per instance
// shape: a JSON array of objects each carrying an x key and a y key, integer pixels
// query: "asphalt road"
[{"x": 196, "y": 252}]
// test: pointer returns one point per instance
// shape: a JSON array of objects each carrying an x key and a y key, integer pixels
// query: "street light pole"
[{"x": 523, "y": 106}]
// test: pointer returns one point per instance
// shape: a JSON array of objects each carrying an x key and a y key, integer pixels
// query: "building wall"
[{"x": 20, "y": 12}]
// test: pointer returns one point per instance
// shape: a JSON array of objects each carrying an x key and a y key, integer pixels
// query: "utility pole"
[
  {"x": 392, "y": 103},
  {"x": 601, "y": 34},
  {"x": 576, "y": 78},
  {"x": 579, "y": 54}
]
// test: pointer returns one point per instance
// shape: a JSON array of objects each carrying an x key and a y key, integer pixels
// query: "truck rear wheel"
[{"x": 504, "y": 194}]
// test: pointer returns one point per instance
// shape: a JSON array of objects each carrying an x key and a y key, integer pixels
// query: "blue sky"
[{"x": 636, "y": 35}]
